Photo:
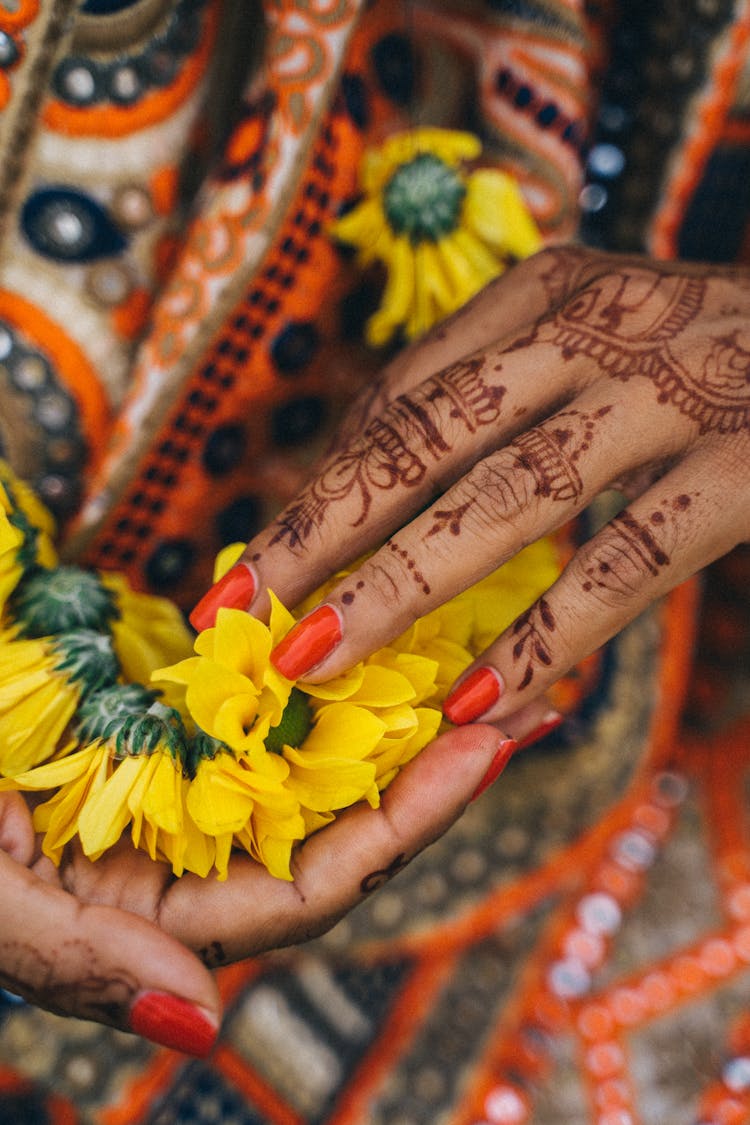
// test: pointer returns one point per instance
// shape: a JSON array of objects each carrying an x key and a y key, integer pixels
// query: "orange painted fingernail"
[
  {"x": 308, "y": 642},
  {"x": 173, "y": 1022},
  {"x": 235, "y": 590},
  {"x": 505, "y": 752},
  {"x": 476, "y": 694}
]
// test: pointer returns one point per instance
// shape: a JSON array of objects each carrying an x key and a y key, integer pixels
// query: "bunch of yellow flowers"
[{"x": 200, "y": 747}]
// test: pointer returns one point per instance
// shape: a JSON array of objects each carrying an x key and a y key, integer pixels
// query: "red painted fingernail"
[
  {"x": 235, "y": 590},
  {"x": 309, "y": 642},
  {"x": 548, "y": 724},
  {"x": 473, "y": 696},
  {"x": 173, "y": 1022},
  {"x": 505, "y": 752}
]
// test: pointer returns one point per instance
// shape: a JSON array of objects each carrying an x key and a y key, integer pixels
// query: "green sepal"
[
  {"x": 48, "y": 602},
  {"x": 160, "y": 727},
  {"x": 102, "y": 713},
  {"x": 28, "y": 551},
  {"x": 88, "y": 657},
  {"x": 294, "y": 726},
  {"x": 203, "y": 747}
]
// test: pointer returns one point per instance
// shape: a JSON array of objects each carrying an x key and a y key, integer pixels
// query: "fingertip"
[
  {"x": 474, "y": 696},
  {"x": 308, "y": 643},
  {"x": 235, "y": 590},
  {"x": 16, "y": 829},
  {"x": 95, "y": 961},
  {"x": 171, "y": 1021},
  {"x": 443, "y": 778}
]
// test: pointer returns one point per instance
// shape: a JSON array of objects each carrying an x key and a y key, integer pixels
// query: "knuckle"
[
  {"x": 393, "y": 579},
  {"x": 492, "y": 500},
  {"x": 619, "y": 566}
]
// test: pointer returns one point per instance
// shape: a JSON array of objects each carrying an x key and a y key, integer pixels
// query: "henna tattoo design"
[
  {"x": 387, "y": 463},
  {"x": 213, "y": 955},
  {"x": 631, "y": 543},
  {"x": 550, "y": 453},
  {"x": 532, "y": 630},
  {"x": 450, "y": 518},
  {"x": 105, "y": 998},
  {"x": 387, "y": 456},
  {"x": 376, "y": 879},
  {"x": 411, "y": 566},
  {"x": 563, "y": 272},
  {"x": 349, "y": 595},
  {"x": 636, "y": 322}
]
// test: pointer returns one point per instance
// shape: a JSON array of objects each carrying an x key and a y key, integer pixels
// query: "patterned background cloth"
[{"x": 576, "y": 948}]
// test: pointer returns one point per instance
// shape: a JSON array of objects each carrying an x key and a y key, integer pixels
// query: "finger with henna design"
[
  {"x": 645, "y": 550},
  {"x": 94, "y": 961},
  {"x": 541, "y": 479}
]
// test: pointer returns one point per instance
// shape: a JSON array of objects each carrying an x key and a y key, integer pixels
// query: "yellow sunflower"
[
  {"x": 250, "y": 759},
  {"x": 441, "y": 229},
  {"x": 131, "y": 774},
  {"x": 75, "y": 777},
  {"x": 292, "y": 755},
  {"x": 26, "y": 531},
  {"x": 147, "y": 631},
  {"x": 42, "y": 682},
  {"x": 144, "y": 788},
  {"x": 244, "y": 799}
]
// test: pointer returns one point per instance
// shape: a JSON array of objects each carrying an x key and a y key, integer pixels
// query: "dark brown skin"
[
  {"x": 575, "y": 372},
  {"x": 86, "y": 938}
]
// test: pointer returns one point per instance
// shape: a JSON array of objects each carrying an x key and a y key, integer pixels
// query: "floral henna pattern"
[
  {"x": 638, "y": 321},
  {"x": 532, "y": 631},
  {"x": 395, "y": 450},
  {"x": 387, "y": 463},
  {"x": 450, "y": 518}
]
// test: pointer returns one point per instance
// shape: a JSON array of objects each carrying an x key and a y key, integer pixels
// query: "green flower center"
[
  {"x": 47, "y": 602},
  {"x": 423, "y": 199},
  {"x": 294, "y": 726},
  {"x": 102, "y": 713},
  {"x": 158, "y": 728},
  {"x": 87, "y": 656}
]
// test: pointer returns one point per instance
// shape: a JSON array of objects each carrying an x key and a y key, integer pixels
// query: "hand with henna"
[
  {"x": 122, "y": 942},
  {"x": 574, "y": 373}
]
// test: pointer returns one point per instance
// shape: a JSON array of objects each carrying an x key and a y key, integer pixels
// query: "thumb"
[{"x": 101, "y": 963}]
